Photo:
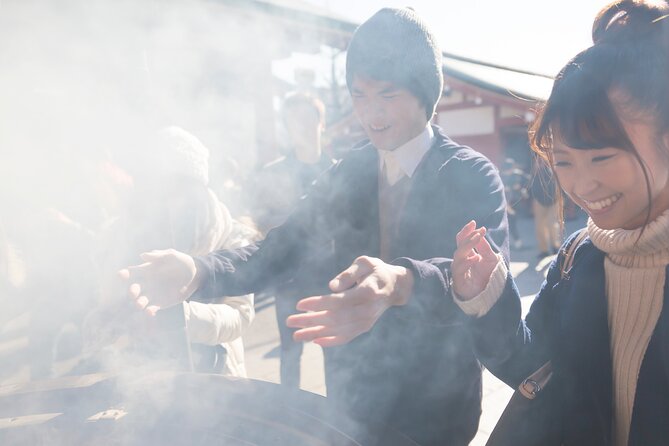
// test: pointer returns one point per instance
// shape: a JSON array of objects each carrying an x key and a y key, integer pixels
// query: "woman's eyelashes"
[
  {"x": 562, "y": 163},
  {"x": 599, "y": 159}
]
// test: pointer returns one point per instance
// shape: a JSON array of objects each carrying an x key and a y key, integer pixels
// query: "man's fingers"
[
  {"x": 332, "y": 341},
  {"x": 150, "y": 256},
  {"x": 135, "y": 290},
  {"x": 358, "y": 295},
  {"x": 321, "y": 303},
  {"x": 323, "y": 341},
  {"x": 138, "y": 272},
  {"x": 312, "y": 333},
  {"x": 330, "y": 335},
  {"x": 351, "y": 276},
  {"x": 334, "y": 301},
  {"x": 313, "y": 319},
  {"x": 336, "y": 319},
  {"x": 142, "y": 302},
  {"x": 151, "y": 310},
  {"x": 134, "y": 273}
]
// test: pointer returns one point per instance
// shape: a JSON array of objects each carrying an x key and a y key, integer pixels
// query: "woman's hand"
[{"x": 473, "y": 262}]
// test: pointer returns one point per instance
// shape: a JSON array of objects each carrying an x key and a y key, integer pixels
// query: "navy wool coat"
[{"x": 568, "y": 324}]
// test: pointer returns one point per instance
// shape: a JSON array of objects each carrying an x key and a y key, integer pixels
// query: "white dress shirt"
[{"x": 403, "y": 161}]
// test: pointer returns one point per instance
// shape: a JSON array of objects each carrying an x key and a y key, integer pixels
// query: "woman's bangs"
[
  {"x": 582, "y": 114},
  {"x": 584, "y": 118}
]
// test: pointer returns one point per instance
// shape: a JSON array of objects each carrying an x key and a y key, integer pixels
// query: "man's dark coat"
[{"x": 415, "y": 369}]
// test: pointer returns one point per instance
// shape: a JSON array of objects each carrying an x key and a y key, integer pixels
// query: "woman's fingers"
[
  {"x": 484, "y": 248},
  {"x": 467, "y": 245},
  {"x": 464, "y": 265},
  {"x": 465, "y": 231}
]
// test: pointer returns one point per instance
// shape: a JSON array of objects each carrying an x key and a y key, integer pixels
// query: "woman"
[
  {"x": 173, "y": 207},
  {"x": 605, "y": 326}
]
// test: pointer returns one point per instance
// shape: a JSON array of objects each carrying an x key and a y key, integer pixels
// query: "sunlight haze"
[{"x": 529, "y": 34}]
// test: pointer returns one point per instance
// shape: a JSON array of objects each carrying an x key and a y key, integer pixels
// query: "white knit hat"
[{"x": 182, "y": 154}]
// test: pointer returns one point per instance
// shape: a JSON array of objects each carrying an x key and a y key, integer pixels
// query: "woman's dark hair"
[
  {"x": 629, "y": 58},
  {"x": 632, "y": 20}
]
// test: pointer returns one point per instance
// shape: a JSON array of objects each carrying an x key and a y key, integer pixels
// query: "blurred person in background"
[
  {"x": 173, "y": 208},
  {"x": 545, "y": 210},
  {"x": 515, "y": 188},
  {"x": 55, "y": 227},
  {"x": 275, "y": 192},
  {"x": 278, "y": 185}
]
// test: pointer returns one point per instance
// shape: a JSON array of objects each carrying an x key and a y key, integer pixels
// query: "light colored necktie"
[{"x": 391, "y": 170}]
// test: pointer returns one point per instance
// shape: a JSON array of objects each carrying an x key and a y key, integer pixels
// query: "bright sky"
[{"x": 538, "y": 35}]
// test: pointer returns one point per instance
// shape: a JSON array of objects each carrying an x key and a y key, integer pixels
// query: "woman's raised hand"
[{"x": 473, "y": 262}]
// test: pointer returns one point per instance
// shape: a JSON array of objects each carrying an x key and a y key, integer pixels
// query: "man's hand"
[
  {"x": 167, "y": 278},
  {"x": 360, "y": 295},
  {"x": 473, "y": 262}
]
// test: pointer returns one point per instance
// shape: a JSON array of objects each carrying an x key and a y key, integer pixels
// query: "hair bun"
[{"x": 632, "y": 20}]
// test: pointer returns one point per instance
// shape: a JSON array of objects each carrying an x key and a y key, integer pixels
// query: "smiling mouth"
[
  {"x": 600, "y": 205},
  {"x": 379, "y": 128}
]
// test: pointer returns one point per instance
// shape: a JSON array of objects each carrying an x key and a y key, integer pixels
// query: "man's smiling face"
[{"x": 390, "y": 114}]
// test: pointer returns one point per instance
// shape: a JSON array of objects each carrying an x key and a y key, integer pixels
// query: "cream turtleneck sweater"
[{"x": 635, "y": 268}]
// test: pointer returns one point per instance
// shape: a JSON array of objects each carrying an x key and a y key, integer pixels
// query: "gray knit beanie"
[{"x": 395, "y": 45}]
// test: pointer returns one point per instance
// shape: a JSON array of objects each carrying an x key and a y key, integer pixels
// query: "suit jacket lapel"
[
  {"x": 418, "y": 208},
  {"x": 363, "y": 196}
]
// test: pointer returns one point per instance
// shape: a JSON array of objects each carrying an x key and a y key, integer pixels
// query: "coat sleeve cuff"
[
  {"x": 206, "y": 279},
  {"x": 431, "y": 297},
  {"x": 479, "y": 305}
]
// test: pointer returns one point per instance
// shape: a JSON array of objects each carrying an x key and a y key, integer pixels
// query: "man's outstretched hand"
[
  {"x": 166, "y": 278},
  {"x": 360, "y": 295}
]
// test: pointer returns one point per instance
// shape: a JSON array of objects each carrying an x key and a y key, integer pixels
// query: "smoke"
[
  {"x": 85, "y": 86},
  {"x": 87, "y": 80}
]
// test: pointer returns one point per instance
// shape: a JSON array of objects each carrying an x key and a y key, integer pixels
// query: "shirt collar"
[{"x": 404, "y": 160}]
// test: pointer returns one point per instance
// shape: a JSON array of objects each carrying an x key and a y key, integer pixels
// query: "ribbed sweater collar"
[{"x": 634, "y": 248}]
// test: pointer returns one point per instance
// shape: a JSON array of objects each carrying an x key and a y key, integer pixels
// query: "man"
[
  {"x": 277, "y": 186},
  {"x": 275, "y": 191},
  {"x": 404, "y": 195}
]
